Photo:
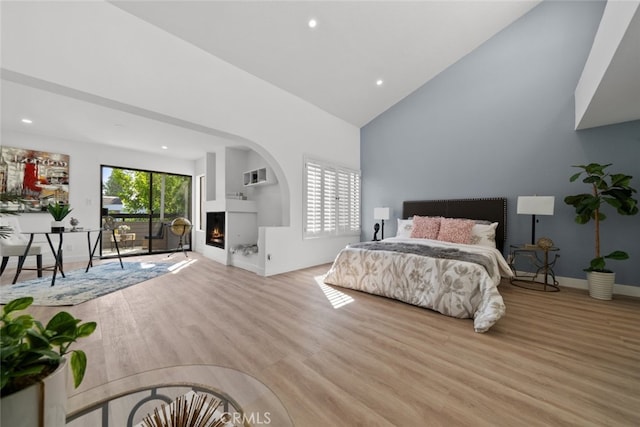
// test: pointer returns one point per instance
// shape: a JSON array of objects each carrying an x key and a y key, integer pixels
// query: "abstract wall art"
[{"x": 38, "y": 178}]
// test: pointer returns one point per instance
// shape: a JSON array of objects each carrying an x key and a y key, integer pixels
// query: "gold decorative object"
[
  {"x": 544, "y": 243},
  {"x": 180, "y": 226}
]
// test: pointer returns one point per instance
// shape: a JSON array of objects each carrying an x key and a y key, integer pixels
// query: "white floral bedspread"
[{"x": 452, "y": 287}]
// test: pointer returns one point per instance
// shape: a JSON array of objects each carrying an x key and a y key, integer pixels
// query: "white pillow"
[
  {"x": 484, "y": 235},
  {"x": 405, "y": 226}
]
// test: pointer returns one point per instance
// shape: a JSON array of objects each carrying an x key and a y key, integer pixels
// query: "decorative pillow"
[
  {"x": 455, "y": 230},
  {"x": 425, "y": 227},
  {"x": 405, "y": 226},
  {"x": 484, "y": 235}
]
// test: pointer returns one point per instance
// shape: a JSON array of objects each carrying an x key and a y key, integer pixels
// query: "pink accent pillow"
[
  {"x": 425, "y": 227},
  {"x": 455, "y": 230}
]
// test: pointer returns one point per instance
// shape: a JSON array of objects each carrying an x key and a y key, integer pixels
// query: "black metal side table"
[{"x": 538, "y": 258}]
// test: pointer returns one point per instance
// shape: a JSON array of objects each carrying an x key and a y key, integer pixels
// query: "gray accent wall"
[{"x": 500, "y": 123}]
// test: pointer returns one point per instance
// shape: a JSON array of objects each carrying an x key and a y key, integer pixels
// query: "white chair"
[{"x": 15, "y": 245}]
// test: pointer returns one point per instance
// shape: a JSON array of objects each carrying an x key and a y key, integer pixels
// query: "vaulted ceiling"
[
  {"x": 354, "y": 44},
  {"x": 335, "y": 65}
]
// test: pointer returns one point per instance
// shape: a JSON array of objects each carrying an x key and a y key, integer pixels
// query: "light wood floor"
[{"x": 555, "y": 359}]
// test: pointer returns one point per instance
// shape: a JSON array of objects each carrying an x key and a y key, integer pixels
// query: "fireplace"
[{"x": 215, "y": 229}]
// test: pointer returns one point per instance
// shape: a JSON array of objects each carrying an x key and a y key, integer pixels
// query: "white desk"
[{"x": 57, "y": 253}]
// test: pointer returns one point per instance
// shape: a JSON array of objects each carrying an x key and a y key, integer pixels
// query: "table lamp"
[
  {"x": 380, "y": 214},
  {"x": 535, "y": 205}
]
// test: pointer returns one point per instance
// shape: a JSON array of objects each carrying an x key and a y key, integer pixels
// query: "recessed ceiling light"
[
  {"x": 379, "y": 82},
  {"x": 312, "y": 23},
  {"x": 28, "y": 121},
  {"x": 164, "y": 147}
]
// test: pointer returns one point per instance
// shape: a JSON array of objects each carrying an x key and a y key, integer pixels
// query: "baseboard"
[
  {"x": 245, "y": 265},
  {"x": 572, "y": 282}
]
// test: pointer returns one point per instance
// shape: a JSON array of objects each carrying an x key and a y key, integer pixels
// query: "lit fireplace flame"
[{"x": 215, "y": 234}]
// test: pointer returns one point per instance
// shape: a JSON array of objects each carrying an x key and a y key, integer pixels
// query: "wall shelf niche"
[{"x": 261, "y": 176}]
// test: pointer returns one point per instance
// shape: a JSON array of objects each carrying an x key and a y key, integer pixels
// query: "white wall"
[
  {"x": 96, "y": 48},
  {"x": 84, "y": 181}
]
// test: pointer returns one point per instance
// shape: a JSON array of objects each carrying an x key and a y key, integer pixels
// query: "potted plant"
[
  {"x": 58, "y": 211},
  {"x": 33, "y": 375},
  {"x": 615, "y": 191}
]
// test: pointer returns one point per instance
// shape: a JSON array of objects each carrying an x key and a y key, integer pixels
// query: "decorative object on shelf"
[
  {"x": 245, "y": 249},
  {"x": 58, "y": 211},
  {"x": 380, "y": 214},
  {"x": 544, "y": 243},
  {"x": 535, "y": 205},
  {"x": 236, "y": 196},
  {"x": 616, "y": 191},
  {"x": 33, "y": 358},
  {"x": 74, "y": 223}
]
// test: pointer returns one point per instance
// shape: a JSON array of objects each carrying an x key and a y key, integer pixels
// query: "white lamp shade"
[
  {"x": 536, "y": 205},
  {"x": 381, "y": 213}
]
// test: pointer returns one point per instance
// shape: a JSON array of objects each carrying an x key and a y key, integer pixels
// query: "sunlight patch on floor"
[
  {"x": 180, "y": 265},
  {"x": 336, "y": 298},
  {"x": 145, "y": 265}
]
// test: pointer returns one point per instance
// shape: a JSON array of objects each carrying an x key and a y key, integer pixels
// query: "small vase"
[{"x": 57, "y": 226}]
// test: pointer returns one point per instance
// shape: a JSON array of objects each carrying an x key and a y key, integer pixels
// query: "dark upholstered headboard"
[{"x": 492, "y": 209}]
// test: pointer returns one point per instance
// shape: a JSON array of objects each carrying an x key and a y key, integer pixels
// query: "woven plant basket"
[{"x": 601, "y": 284}]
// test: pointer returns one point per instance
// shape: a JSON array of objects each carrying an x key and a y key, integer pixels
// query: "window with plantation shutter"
[
  {"x": 313, "y": 202},
  {"x": 331, "y": 200}
]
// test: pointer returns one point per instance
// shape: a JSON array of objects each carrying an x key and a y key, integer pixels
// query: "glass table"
[
  {"x": 127, "y": 401},
  {"x": 536, "y": 258}
]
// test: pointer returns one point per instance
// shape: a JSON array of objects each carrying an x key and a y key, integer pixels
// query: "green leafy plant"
[
  {"x": 30, "y": 351},
  {"x": 59, "y": 211},
  {"x": 612, "y": 189}
]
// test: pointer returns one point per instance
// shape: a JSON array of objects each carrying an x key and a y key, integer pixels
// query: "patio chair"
[{"x": 158, "y": 237}]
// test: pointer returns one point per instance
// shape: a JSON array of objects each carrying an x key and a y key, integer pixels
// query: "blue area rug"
[{"x": 79, "y": 286}]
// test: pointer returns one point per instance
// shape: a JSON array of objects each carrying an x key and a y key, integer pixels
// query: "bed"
[{"x": 446, "y": 256}]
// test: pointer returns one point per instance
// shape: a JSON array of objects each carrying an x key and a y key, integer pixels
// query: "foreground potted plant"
[
  {"x": 58, "y": 211},
  {"x": 614, "y": 190},
  {"x": 34, "y": 367}
]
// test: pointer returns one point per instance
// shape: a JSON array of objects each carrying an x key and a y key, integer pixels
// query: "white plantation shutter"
[
  {"x": 344, "y": 217},
  {"x": 354, "y": 203},
  {"x": 329, "y": 201},
  {"x": 332, "y": 200},
  {"x": 313, "y": 203}
]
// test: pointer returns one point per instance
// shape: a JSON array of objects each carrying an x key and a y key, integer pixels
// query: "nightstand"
[{"x": 541, "y": 260}]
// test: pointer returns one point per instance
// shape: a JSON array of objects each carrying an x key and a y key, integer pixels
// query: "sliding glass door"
[{"x": 143, "y": 205}]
